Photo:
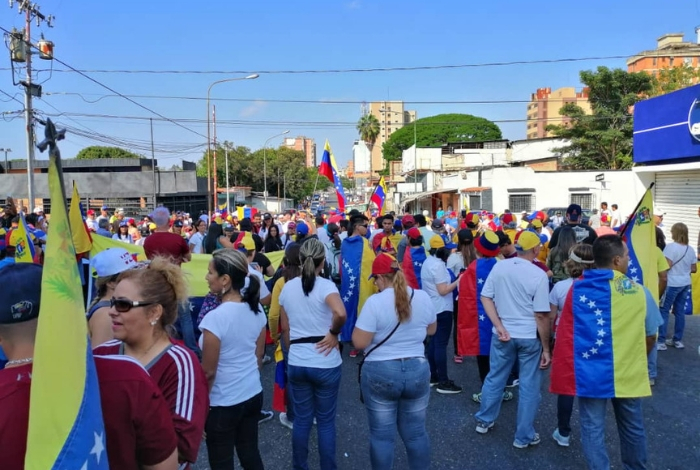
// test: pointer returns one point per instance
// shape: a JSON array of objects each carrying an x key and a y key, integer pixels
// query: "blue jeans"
[
  {"x": 651, "y": 362},
  {"x": 526, "y": 352},
  {"x": 289, "y": 401},
  {"x": 630, "y": 427},
  {"x": 315, "y": 394},
  {"x": 186, "y": 327},
  {"x": 437, "y": 347},
  {"x": 673, "y": 297},
  {"x": 396, "y": 396}
]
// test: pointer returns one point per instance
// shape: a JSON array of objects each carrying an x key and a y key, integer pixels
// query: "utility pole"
[
  {"x": 6, "y": 152},
  {"x": 228, "y": 200},
  {"x": 214, "y": 172},
  {"x": 153, "y": 165},
  {"x": 31, "y": 12}
]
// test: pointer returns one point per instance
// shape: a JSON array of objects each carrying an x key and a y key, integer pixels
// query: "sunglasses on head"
[{"x": 124, "y": 305}]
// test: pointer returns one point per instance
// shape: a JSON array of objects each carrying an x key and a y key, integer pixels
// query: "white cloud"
[{"x": 253, "y": 109}]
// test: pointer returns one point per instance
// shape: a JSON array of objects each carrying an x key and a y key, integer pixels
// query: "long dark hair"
[
  {"x": 235, "y": 265},
  {"x": 273, "y": 242},
  {"x": 313, "y": 255},
  {"x": 215, "y": 231},
  {"x": 292, "y": 262}
]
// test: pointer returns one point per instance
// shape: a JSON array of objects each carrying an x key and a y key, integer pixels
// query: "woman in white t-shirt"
[
  {"x": 196, "y": 240},
  {"x": 580, "y": 259},
  {"x": 683, "y": 261},
  {"x": 396, "y": 377},
  {"x": 233, "y": 342},
  {"x": 311, "y": 317}
]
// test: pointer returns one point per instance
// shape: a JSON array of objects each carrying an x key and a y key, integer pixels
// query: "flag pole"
[
  {"x": 315, "y": 185},
  {"x": 624, "y": 226}
]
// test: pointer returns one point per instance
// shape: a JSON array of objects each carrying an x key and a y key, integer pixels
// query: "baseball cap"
[
  {"x": 488, "y": 244},
  {"x": 426, "y": 213},
  {"x": 120, "y": 210},
  {"x": 228, "y": 227},
  {"x": 437, "y": 224},
  {"x": 526, "y": 240},
  {"x": 573, "y": 212},
  {"x": 292, "y": 225},
  {"x": 302, "y": 229},
  {"x": 658, "y": 212},
  {"x": 507, "y": 219},
  {"x": 123, "y": 223},
  {"x": 397, "y": 224},
  {"x": 90, "y": 212},
  {"x": 21, "y": 303},
  {"x": 104, "y": 208},
  {"x": 38, "y": 209},
  {"x": 436, "y": 241},
  {"x": 408, "y": 221},
  {"x": 383, "y": 264},
  {"x": 465, "y": 236},
  {"x": 537, "y": 223},
  {"x": 413, "y": 233},
  {"x": 113, "y": 261},
  {"x": 267, "y": 216},
  {"x": 177, "y": 223},
  {"x": 472, "y": 220}
]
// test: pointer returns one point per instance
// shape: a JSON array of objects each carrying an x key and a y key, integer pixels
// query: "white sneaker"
[
  {"x": 678, "y": 345},
  {"x": 561, "y": 440},
  {"x": 661, "y": 347},
  {"x": 285, "y": 421},
  {"x": 669, "y": 342}
]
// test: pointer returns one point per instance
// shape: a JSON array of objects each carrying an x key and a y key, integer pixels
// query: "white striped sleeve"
[{"x": 186, "y": 381}]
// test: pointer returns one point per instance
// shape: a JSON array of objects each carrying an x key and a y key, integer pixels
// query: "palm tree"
[{"x": 368, "y": 127}]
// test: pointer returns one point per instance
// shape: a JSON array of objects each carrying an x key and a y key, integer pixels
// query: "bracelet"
[{"x": 334, "y": 333}]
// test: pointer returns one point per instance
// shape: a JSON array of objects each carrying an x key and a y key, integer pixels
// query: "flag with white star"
[
  {"x": 329, "y": 169},
  {"x": 600, "y": 350},
  {"x": 65, "y": 414},
  {"x": 474, "y": 328},
  {"x": 412, "y": 265},
  {"x": 640, "y": 236},
  {"x": 356, "y": 257},
  {"x": 689, "y": 302}
]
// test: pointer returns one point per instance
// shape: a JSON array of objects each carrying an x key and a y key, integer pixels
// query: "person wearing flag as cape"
[{"x": 607, "y": 328}]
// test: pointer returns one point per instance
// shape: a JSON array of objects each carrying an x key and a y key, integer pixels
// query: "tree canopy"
[
  {"x": 368, "y": 127},
  {"x": 435, "y": 131},
  {"x": 603, "y": 139},
  {"x": 96, "y": 151},
  {"x": 674, "y": 78}
]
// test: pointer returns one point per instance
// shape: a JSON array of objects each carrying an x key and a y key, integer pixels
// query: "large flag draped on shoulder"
[
  {"x": 329, "y": 169},
  {"x": 279, "y": 391},
  {"x": 65, "y": 416},
  {"x": 379, "y": 195},
  {"x": 81, "y": 235},
  {"x": 640, "y": 236},
  {"x": 412, "y": 265},
  {"x": 600, "y": 350},
  {"x": 474, "y": 328},
  {"x": 22, "y": 240},
  {"x": 356, "y": 257}
]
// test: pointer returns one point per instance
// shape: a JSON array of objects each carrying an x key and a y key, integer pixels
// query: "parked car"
[{"x": 550, "y": 211}]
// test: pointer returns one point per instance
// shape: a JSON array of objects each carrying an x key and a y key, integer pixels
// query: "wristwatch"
[{"x": 334, "y": 332}]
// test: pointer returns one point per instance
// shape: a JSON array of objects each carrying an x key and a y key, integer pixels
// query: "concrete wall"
[{"x": 427, "y": 159}]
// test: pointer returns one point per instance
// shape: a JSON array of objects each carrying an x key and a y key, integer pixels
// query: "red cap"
[
  {"x": 507, "y": 218},
  {"x": 383, "y": 264},
  {"x": 413, "y": 233},
  {"x": 408, "y": 220},
  {"x": 90, "y": 212}
]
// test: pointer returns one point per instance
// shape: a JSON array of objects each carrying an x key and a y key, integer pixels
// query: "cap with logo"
[
  {"x": 383, "y": 264},
  {"x": 488, "y": 244},
  {"x": 113, "y": 261},
  {"x": 302, "y": 229},
  {"x": 437, "y": 224},
  {"x": 21, "y": 303},
  {"x": 573, "y": 212},
  {"x": 527, "y": 240}
]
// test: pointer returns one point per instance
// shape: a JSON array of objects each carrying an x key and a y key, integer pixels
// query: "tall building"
[
  {"x": 391, "y": 116},
  {"x": 671, "y": 51},
  {"x": 544, "y": 107},
  {"x": 303, "y": 144}
]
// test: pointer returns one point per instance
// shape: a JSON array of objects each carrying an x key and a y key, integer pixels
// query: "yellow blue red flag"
[
  {"x": 640, "y": 236},
  {"x": 355, "y": 285},
  {"x": 22, "y": 240},
  {"x": 81, "y": 236},
  {"x": 329, "y": 169},
  {"x": 379, "y": 195},
  {"x": 65, "y": 416}
]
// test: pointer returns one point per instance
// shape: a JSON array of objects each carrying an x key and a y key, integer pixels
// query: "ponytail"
[
  {"x": 308, "y": 275},
  {"x": 401, "y": 299},
  {"x": 252, "y": 293},
  {"x": 312, "y": 254}
]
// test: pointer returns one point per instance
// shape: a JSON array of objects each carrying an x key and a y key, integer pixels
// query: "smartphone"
[{"x": 254, "y": 265}]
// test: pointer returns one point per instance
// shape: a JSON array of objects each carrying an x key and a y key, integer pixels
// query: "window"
[
  {"x": 521, "y": 202},
  {"x": 688, "y": 60},
  {"x": 474, "y": 202},
  {"x": 671, "y": 61},
  {"x": 585, "y": 200},
  {"x": 653, "y": 62}
]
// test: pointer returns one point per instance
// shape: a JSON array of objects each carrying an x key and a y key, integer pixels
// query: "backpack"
[{"x": 333, "y": 264}]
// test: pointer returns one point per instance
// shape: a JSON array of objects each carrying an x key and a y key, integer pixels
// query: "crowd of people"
[{"x": 519, "y": 293}]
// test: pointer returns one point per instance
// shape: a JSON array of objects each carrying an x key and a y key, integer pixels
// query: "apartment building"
[{"x": 544, "y": 106}]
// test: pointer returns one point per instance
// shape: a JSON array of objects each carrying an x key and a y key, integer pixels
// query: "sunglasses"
[{"x": 124, "y": 305}]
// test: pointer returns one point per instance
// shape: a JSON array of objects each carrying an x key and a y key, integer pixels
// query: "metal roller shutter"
[{"x": 677, "y": 193}]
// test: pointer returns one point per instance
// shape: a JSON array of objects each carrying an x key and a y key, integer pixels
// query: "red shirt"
[
  {"x": 170, "y": 245},
  {"x": 138, "y": 427},
  {"x": 181, "y": 379}
]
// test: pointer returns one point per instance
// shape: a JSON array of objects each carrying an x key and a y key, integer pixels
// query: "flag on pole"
[
  {"x": 379, "y": 195},
  {"x": 474, "y": 328},
  {"x": 22, "y": 240},
  {"x": 246, "y": 212},
  {"x": 640, "y": 236},
  {"x": 81, "y": 235},
  {"x": 329, "y": 169},
  {"x": 66, "y": 429}
]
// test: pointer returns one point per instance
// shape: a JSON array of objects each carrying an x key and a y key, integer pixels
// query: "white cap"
[
  {"x": 119, "y": 210},
  {"x": 38, "y": 209},
  {"x": 426, "y": 213},
  {"x": 113, "y": 261},
  {"x": 657, "y": 212}
]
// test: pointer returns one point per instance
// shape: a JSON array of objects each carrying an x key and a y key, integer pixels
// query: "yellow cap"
[{"x": 436, "y": 241}]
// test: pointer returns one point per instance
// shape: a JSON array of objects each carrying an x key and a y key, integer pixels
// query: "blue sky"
[{"x": 318, "y": 35}]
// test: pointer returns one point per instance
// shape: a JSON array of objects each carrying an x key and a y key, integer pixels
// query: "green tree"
[
  {"x": 435, "y": 131},
  {"x": 602, "y": 140},
  {"x": 674, "y": 78},
  {"x": 368, "y": 127},
  {"x": 96, "y": 151}
]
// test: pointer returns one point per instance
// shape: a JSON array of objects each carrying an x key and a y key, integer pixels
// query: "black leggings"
[
  {"x": 234, "y": 427},
  {"x": 454, "y": 328}
]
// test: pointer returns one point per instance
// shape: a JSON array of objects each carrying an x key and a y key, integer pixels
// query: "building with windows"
[
  {"x": 303, "y": 144},
  {"x": 543, "y": 109},
  {"x": 392, "y": 116},
  {"x": 671, "y": 51}
]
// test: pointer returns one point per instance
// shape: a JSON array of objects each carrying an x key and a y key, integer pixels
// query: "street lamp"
[
  {"x": 6, "y": 152},
  {"x": 209, "y": 172},
  {"x": 415, "y": 145},
  {"x": 265, "y": 163}
]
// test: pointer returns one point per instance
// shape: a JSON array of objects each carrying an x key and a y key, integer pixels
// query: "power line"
[
  {"x": 11, "y": 97},
  {"x": 352, "y": 70}
]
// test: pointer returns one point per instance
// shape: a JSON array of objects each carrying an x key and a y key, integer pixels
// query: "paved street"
[{"x": 671, "y": 416}]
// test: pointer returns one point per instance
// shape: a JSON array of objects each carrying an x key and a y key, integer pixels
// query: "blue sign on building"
[{"x": 667, "y": 128}]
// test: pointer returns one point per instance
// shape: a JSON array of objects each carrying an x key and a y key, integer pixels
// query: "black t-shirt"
[{"x": 584, "y": 234}]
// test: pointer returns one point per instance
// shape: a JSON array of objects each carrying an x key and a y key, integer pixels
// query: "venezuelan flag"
[
  {"x": 600, "y": 350},
  {"x": 65, "y": 416},
  {"x": 244, "y": 212},
  {"x": 412, "y": 264},
  {"x": 379, "y": 195},
  {"x": 279, "y": 392},
  {"x": 474, "y": 328},
  {"x": 81, "y": 236},
  {"x": 22, "y": 240},
  {"x": 640, "y": 236},
  {"x": 355, "y": 286},
  {"x": 329, "y": 169}
]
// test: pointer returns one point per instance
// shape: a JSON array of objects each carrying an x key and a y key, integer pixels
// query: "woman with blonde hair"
[
  {"x": 682, "y": 259},
  {"x": 143, "y": 309},
  {"x": 311, "y": 317},
  {"x": 395, "y": 376}
]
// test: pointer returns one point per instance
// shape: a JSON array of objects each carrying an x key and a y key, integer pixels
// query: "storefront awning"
[
  {"x": 476, "y": 189},
  {"x": 418, "y": 197}
]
